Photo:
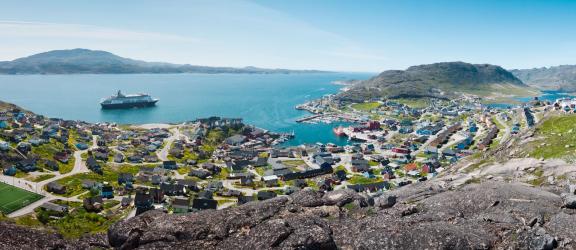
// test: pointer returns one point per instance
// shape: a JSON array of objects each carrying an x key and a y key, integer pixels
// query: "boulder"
[
  {"x": 569, "y": 201},
  {"x": 572, "y": 188},
  {"x": 385, "y": 201},
  {"x": 308, "y": 197},
  {"x": 342, "y": 197}
]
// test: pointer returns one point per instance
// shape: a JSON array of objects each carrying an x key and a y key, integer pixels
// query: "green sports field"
[{"x": 13, "y": 198}]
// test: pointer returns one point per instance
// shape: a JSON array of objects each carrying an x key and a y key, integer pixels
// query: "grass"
[
  {"x": 48, "y": 150},
  {"x": 261, "y": 170},
  {"x": 13, "y": 198},
  {"x": 413, "y": 102},
  {"x": 537, "y": 181},
  {"x": 558, "y": 133},
  {"x": 473, "y": 181},
  {"x": 366, "y": 106},
  {"x": 110, "y": 204},
  {"x": 79, "y": 222},
  {"x": 503, "y": 92},
  {"x": 224, "y": 201},
  {"x": 187, "y": 155},
  {"x": 28, "y": 220},
  {"x": 183, "y": 170},
  {"x": 476, "y": 165},
  {"x": 341, "y": 167},
  {"x": 294, "y": 163},
  {"x": 20, "y": 174},
  {"x": 350, "y": 206},
  {"x": 359, "y": 179},
  {"x": 223, "y": 174},
  {"x": 74, "y": 183},
  {"x": 43, "y": 177},
  {"x": 263, "y": 155}
]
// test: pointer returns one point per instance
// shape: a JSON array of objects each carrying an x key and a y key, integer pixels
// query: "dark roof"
[
  {"x": 181, "y": 202},
  {"x": 204, "y": 204},
  {"x": 265, "y": 195}
]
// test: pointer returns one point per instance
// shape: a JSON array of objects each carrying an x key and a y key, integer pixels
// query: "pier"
[{"x": 308, "y": 118}]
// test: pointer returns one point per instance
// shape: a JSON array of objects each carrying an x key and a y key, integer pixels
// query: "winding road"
[{"x": 38, "y": 187}]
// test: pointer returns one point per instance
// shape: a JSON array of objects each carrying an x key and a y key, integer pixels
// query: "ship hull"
[{"x": 128, "y": 105}]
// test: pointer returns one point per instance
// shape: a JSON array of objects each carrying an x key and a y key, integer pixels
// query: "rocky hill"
[
  {"x": 430, "y": 215},
  {"x": 438, "y": 80},
  {"x": 562, "y": 78},
  {"x": 84, "y": 61}
]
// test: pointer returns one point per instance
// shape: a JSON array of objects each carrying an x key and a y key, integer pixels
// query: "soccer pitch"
[{"x": 13, "y": 198}]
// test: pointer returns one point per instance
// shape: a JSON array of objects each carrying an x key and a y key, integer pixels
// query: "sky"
[{"x": 355, "y": 36}]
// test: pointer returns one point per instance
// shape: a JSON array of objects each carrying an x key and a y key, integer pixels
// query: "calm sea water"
[{"x": 266, "y": 101}]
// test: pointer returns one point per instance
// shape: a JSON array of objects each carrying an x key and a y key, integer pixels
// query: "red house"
[
  {"x": 373, "y": 125},
  {"x": 401, "y": 150}
]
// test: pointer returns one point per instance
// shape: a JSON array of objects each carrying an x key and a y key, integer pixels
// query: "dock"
[{"x": 308, "y": 118}]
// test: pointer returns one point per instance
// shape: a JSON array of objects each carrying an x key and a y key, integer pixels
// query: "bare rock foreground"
[{"x": 491, "y": 215}]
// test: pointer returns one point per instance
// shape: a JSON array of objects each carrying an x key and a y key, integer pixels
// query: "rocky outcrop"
[
  {"x": 423, "y": 216},
  {"x": 17, "y": 237}
]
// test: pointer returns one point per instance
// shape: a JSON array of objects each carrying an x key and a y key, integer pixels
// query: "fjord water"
[{"x": 264, "y": 100}]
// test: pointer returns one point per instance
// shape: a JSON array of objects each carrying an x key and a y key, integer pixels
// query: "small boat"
[{"x": 339, "y": 131}]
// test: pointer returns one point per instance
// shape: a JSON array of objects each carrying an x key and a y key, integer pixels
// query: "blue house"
[
  {"x": 367, "y": 174},
  {"x": 10, "y": 171},
  {"x": 81, "y": 146},
  {"x": 424, "y": 131},
  {"x": 3, "y": 124},
  {"x": 107, "y": 192},
  {"x": 143, "y": 201},
  {"x": 453, "y": 159},
  {"x": 170, "y": 165},
  {"x": 26, "y": 165},
  {"x": 405, "y": 130}
]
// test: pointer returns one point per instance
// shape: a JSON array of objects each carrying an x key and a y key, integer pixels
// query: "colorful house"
[
  {"x": 107, "y": 192},
  {"x": 180, "y": 205},
  {"x": 10, "y": 171}
]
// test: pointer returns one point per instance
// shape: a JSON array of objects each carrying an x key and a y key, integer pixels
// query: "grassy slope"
[
  {"x": 556, "y": 133},
  {"x": 74, "y": 183},
  {"x": 414, "y": 102},
  {"x": 367, "y": 106}
]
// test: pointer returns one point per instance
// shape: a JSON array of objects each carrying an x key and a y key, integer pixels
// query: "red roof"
[{"x": 410, "y": 167}]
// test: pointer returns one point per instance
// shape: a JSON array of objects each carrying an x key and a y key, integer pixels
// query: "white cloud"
[{"x": 28, "y": 30}]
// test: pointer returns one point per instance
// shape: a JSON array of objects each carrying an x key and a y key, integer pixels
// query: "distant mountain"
[
  {"x": 438, "y": 80},
  {"x": 84, "y": 61},
  {"x": 561, "y": 78}
]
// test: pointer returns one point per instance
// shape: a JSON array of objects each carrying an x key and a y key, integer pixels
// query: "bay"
[{"x": 263, "y": 100}]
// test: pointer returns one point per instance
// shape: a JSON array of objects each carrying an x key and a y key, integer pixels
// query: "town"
[{"x": 63, "y": 173}]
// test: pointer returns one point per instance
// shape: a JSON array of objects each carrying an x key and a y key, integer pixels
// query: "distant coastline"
[{"x": 85, "y": 61}]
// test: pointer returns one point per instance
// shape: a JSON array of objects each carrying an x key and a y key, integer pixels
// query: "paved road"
[
  {"x": 163, "y": 154},
  {"x": 507, "y": 129},
  {"x": 38, "y": 187}
]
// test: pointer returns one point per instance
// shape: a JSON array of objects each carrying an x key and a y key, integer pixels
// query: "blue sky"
[{"x": 366, "y": 36}]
